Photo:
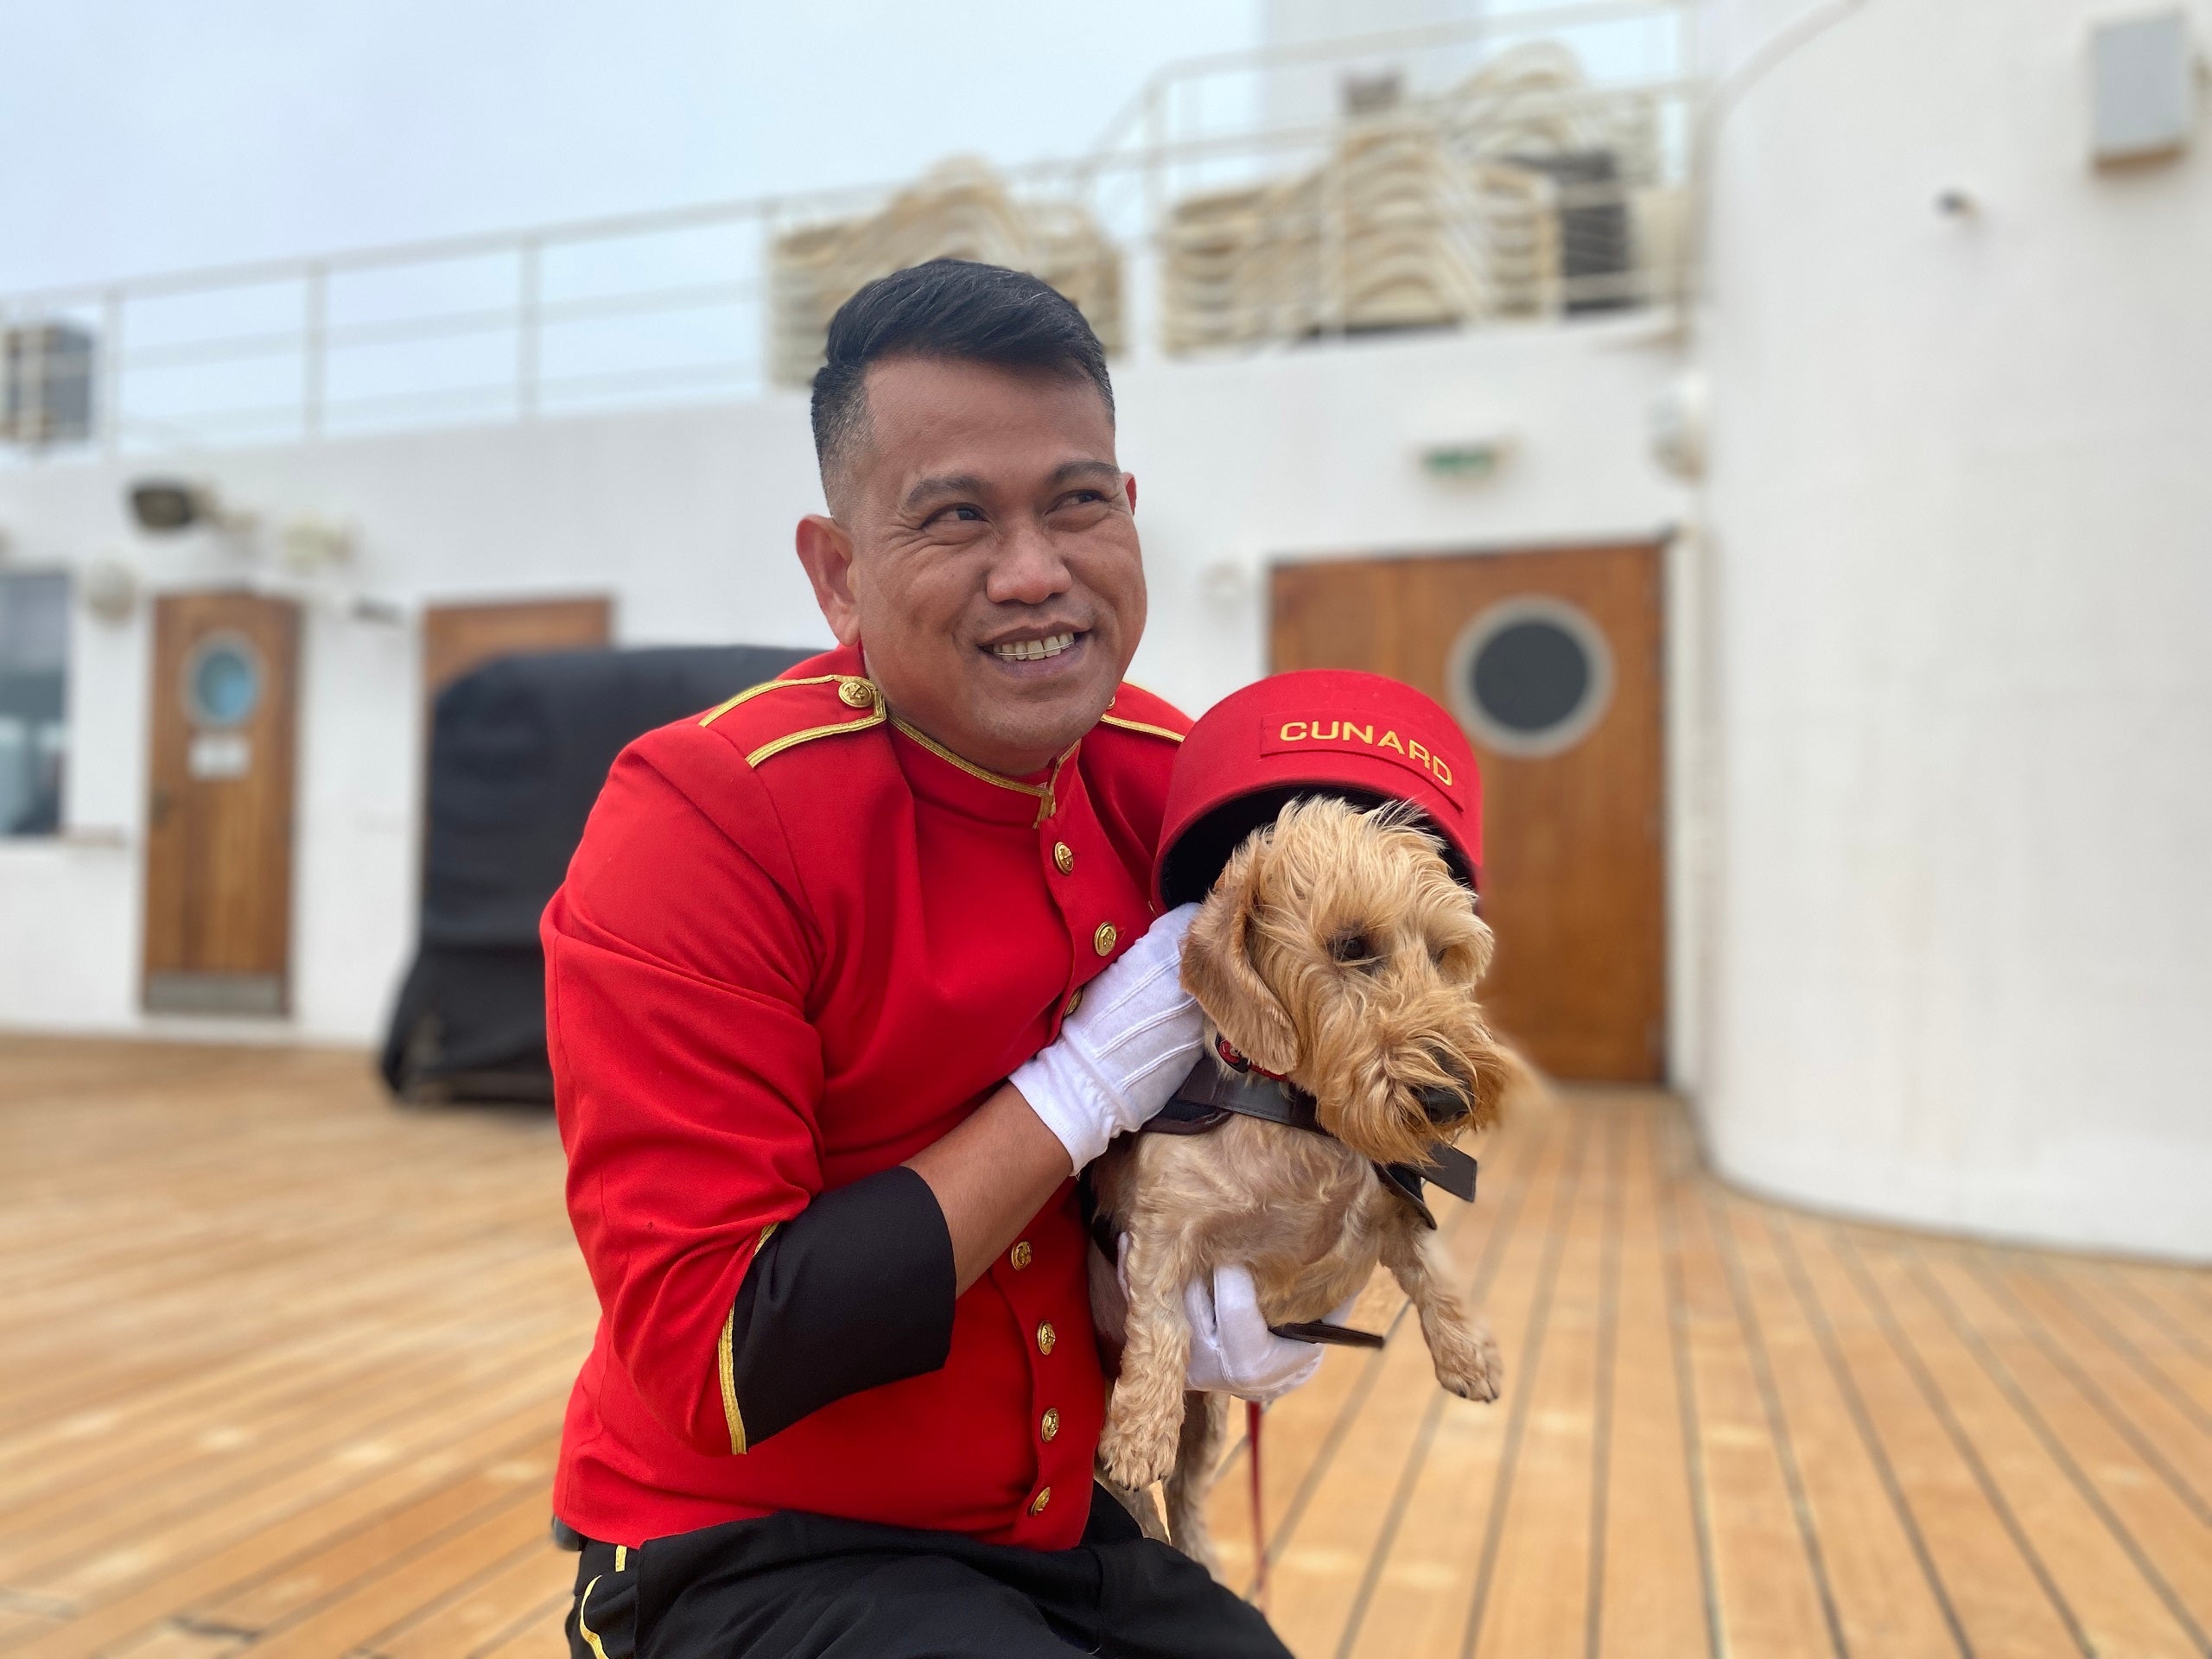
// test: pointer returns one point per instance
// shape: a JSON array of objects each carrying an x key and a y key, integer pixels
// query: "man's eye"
[{"x": 963, "y": 513}]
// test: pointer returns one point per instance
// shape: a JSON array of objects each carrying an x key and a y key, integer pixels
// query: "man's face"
[{"x": 984, "y": 550}]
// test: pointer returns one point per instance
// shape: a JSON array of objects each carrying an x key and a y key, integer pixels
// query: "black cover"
[
  {"x": 519, "y": 750},
  {"x": 1594, "y": 236}
]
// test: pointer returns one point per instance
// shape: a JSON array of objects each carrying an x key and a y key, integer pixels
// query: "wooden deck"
[{"x": 282, "y": 1369}]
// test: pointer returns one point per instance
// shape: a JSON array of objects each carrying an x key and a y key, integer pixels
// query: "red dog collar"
[{"x": 1236, "y": 1062}]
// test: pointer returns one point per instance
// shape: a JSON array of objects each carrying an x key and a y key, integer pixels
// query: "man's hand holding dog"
[{"x": 1121, "y": 1053}]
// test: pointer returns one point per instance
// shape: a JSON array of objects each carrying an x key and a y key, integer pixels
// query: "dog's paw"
[
  {"x": 1469, "y": 1365},
  {"x": 1135, "y": 1456}
]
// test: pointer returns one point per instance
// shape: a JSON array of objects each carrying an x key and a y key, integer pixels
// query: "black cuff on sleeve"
[{"x": 854, "y": 1292}]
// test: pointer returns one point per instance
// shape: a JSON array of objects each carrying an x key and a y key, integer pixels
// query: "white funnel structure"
[{"x": 1959, "y": 964}]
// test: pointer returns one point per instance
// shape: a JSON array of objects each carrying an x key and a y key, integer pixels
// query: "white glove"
[
  {"x": 1121, "y": 1053},
  {"x": 1232, "y": 1350}
]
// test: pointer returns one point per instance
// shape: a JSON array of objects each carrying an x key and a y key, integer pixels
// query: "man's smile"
[
  {"x": 1031, "y": 653},
  {"x": 1030, "y": 650}
]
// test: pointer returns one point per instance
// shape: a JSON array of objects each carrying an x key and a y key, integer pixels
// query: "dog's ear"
[{"x": 1218, "y": 967}]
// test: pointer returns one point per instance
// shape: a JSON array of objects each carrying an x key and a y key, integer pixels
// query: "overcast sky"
[{"x": 150, "y": 135}]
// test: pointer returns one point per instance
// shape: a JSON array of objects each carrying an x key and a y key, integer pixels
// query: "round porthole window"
[
  {"x": 222, "y": 681},
  {"x": 1530, "y": 675}
]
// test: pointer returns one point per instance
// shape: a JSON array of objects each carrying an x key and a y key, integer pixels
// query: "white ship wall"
[
  {"x": 686, "y": 517},
  {"x": 1961, "y": 512}
]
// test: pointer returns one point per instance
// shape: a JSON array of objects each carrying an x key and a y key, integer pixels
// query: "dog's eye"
[{"x": 1351, "y": 948}]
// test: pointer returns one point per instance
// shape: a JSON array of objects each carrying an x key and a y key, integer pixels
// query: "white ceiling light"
[
  {"x": 109, "y": 587},
  {"x": 1676, "y": 426}
]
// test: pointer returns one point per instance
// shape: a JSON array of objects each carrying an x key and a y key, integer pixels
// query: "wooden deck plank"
[
  {"x": 2182, "y": 1435},
  {"x": 259, "y": 1603},
  {"x": 1771, "y": 1585},
  {"x": 267, "y": 1428},
  {"x": 288, "y": 1366},
  {"x": 1652, "y": 1594},
  {"x": 2138, "y": 1494},
  {"x": 538, "y": 1637},
  {"x": 168, "y": 1525},
  {"x": 1322, "y": 1586},
  {"x": 2176, "y": 1357},
  {"x": 1539, "y": 1588},
  {"x": 389, "y": 1595},
  {"x": 19, "y": 1625},
  {"x": 204, "y": 1577},
  {"x": 485, "y": 1612},
  {"x": 1889, "y": 1596},
  {"x": 2117, "y": 1599},
  {"x": 329, "y": 1480},
  {"x": 172, "y": 1641},
  {"x": 1413, "y": 1587},
  {"x": 2006, "y": 1600},
  {"x": 2179, "y": 1299}
]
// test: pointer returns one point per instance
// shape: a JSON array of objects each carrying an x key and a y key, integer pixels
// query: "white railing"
[{"x": 1241, "y": 210}]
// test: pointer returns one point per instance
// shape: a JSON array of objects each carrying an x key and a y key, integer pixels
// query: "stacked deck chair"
[
  {"x": 1522, "y": 192},
  {"x": 519, "y": 750},
  {"x": 962, "y": 209}
]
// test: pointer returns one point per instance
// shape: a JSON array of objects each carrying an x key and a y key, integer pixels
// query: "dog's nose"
[{"x": 1441, "y": 1104}]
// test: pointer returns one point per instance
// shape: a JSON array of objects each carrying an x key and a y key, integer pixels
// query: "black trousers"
[{"x": 808, "y": 1586}]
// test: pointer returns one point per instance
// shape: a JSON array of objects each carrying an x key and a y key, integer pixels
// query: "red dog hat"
[{"x": 1360, "y": 737}]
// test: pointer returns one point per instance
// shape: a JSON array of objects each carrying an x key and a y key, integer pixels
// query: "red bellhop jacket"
[{"x": 798, "y": 943}]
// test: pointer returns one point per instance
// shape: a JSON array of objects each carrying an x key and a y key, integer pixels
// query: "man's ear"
[
  {"x": 1218, "y": 967},
  {"x": 1130, "y": 489},
  {"x": 827, "y": 552}
]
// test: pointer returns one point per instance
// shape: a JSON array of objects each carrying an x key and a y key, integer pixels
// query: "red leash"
[{"x": 1252, "y": 1412}]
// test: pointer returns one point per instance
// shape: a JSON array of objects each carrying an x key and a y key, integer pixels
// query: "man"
[{"x": 850, "y": 978}]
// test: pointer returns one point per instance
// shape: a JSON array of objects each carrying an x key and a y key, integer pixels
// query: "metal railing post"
[
  {"x": 312, "y": 367},
  {"x": 1153, "y": 238},
  {"x": 530, "y": 259},
  {"x": 109, "y": 347},
  {"x": 31, "y": 354},
  {"x": 1334, "y": 241}
]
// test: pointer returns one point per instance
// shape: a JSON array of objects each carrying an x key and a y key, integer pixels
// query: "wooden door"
[
  {"x": 457, "y": 638},
  {"x": 1551, "y": 661},
  {"x": 219, "y": 841}
]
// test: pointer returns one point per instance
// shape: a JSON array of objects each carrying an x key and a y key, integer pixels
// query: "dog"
[{"x": 1335, "y": 951}]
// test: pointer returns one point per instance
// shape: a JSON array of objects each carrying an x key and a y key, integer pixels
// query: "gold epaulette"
[
  {"x": 853, "y": 691},
  {"x": 1109, "y": 718}
]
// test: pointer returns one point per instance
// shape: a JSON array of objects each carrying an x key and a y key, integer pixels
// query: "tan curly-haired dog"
[{"x": 1335, "y": 951}]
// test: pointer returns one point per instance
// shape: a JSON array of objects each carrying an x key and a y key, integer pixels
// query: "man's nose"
[{"x": 1028, "y": 570}]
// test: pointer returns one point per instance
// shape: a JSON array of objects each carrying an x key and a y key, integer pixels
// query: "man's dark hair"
[{"x": 950, "y": 308}]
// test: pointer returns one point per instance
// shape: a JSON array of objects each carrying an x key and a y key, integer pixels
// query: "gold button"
[
  {"x": 1103, "y": 940},
  {"x": 855, "y": 694},
  {"x": 1064, "y": 855},
  {"x": 1021, "y": 1255},
  {"x": 1047, "y": 1337},
  {"x": 1075, "y": 1001},
  {"x": 1050, "y": 1425},
  {"x": 1037, "y": 1503}
]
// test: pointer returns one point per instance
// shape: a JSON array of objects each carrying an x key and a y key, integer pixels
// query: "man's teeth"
[{"x": 1030, "y": 650}]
